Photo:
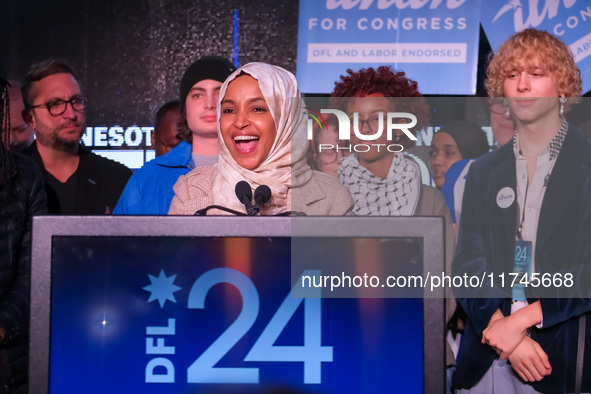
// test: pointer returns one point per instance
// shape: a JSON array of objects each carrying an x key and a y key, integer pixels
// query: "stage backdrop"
[
  {"x": 570, "y": 20},
  {"x": 434, "y": 42},
  {"x": 130, "y": 55}
]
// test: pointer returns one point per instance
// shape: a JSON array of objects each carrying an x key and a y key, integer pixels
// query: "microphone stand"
[
  {"x": 244, "y": 194},
  {"x": 291, "y": 213},
  {"x": 203, "y": 211}
]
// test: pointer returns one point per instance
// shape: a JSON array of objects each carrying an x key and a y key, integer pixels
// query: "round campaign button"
[{"x": 505, "y": 197}]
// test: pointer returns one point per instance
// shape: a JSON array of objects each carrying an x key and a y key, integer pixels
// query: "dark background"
[{"x": 130, "y": 55}]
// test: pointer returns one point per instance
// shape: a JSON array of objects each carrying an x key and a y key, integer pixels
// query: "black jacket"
[
  {"x": 486, "y": 244},
  {"x": 17, "y": 207},
  {"x": 100, "y": 183}
]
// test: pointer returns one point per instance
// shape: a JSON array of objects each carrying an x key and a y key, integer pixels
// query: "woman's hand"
[{"x": 529, "y": 361}]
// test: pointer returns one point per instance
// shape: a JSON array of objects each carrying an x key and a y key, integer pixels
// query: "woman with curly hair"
[{"x": 383, "y": 182}]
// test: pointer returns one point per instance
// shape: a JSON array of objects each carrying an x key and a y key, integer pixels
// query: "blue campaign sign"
[
  {"x": 569, "y": 20},
  {"x": 434, "y": 41}
]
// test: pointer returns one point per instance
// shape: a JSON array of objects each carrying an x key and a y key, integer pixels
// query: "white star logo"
[
  {"x": 511, "y": 5},
  {"x": 162, "y": 288},
  {"x": 514, "y": 3}
]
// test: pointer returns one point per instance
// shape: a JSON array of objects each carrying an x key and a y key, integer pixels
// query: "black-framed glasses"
[
  {"x": 58, "y": 107},
  {"x": 373, "y": 122}
]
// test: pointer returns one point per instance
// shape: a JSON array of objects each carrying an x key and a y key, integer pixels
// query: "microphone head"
[
  {"x": 242, "y": 190},
  {"x": 262, "y": 194}
]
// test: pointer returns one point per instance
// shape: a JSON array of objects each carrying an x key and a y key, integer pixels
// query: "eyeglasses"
[
  {"x": 58, "y": 107},
  {"x": 329, "y": 156},
  {"x": 373, "y": 123}
]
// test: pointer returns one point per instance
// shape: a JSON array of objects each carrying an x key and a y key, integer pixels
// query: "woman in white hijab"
[{"x": 262, "y": 137}]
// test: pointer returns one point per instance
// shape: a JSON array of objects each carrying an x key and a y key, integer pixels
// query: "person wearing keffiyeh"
[{"x": 385, "y": 183}]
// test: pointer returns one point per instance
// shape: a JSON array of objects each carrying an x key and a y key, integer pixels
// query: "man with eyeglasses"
[{"x": 77, "y": 181}]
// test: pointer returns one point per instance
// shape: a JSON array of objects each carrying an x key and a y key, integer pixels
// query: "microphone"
[
  {"x": 262, "y": 194},
  {"x": 244, "y": 194}
]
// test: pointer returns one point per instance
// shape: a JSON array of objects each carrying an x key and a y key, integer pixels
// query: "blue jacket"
[
  {"x": 486, "y": 244},
  {"x": 149, "y": 190}
]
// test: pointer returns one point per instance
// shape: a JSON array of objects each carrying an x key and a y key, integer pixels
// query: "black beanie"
[{"x": 208, "y": 67}]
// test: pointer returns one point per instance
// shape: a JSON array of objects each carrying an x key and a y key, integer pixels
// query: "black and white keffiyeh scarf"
[{"x": 395, "y": 195}]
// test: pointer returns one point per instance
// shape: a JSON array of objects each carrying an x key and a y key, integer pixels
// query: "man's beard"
[{"x": 57, "y": 142}]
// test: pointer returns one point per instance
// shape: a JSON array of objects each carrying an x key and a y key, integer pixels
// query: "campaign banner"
[
  {"x": 434, "y": 41},
  {"x": 216, "y": 315},
  {"x": 569, "y": 20}
]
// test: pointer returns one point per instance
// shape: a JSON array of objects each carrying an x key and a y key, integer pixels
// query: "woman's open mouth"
[{"x": 245, "y": 144}]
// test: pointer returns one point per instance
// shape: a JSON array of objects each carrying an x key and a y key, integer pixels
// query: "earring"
[
  {"x": 562, "y": 101},
  {"x": 507, "y": 111}
]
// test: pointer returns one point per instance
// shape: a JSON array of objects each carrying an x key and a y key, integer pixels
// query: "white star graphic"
[
  {"x": 162, "y": 288},
  {"x": 512, "y": 4}
]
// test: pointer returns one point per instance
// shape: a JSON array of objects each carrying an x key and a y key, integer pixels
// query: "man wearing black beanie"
[
  {"x": 199, "y": 92},
  {"x": 149, "y": 191}
]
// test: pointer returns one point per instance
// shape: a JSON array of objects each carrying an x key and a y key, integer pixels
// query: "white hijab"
[{"x": 285, "y": 166}]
